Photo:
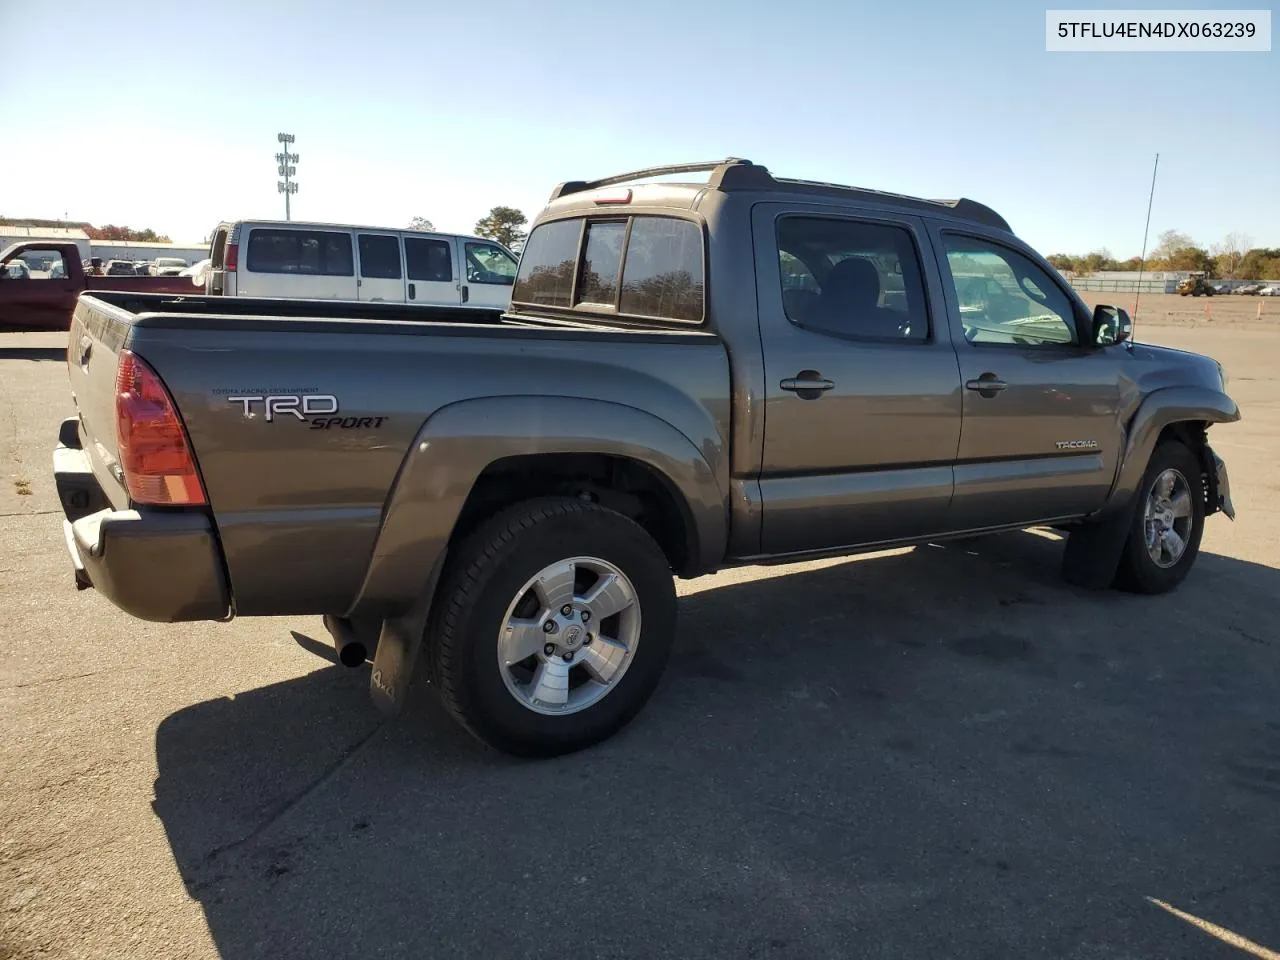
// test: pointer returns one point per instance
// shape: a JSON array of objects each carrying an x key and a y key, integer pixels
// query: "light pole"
[{"x": 286, "y": 169}]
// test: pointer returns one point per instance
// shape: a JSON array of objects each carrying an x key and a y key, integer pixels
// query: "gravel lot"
[{"x": 938, "y": 752}]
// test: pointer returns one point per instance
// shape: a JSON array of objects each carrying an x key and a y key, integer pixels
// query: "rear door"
[
  {"x": 1042, "y": 433},
  {"x": 432, "y": 270},
  {"x": 381, "y": 273},
  {"x": 490, "y": 272},
  {"x": 862, "y": 403}
]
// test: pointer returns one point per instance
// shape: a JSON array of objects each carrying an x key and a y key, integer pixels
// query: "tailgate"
[{"x": 99, "y": 332}]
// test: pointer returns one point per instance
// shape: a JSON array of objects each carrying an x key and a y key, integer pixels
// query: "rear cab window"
[{"x": 647, "y": 267}]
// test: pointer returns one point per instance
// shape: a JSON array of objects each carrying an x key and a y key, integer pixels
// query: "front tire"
[
  {"x": 1168, "y": 522},
  {"x": 552, "y": 627}
]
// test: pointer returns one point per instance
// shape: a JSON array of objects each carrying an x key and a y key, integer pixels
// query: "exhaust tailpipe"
[{"x": 351, "y": 650}]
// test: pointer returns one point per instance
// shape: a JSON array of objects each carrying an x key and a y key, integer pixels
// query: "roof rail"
[
  {"x": 717, "y": 168},
  {"x": 734, "y": 173}
]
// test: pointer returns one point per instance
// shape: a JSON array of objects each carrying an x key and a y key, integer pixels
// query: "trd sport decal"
[{"x": 314, "y": 408}]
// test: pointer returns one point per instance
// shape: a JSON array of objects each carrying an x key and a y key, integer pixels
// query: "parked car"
[
  {"x": 319, "y": 261},
  {"x": 515, "y": 492},
  {"x": 1249, "y": 289},
  {"x": 1270, "y": 291},
  {"x": 46, "y": 302},
  {"x": 168, "y": 266},
  {"x": 120, "y": 268}
]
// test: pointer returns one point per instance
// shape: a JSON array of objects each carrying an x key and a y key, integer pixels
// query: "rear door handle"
[
  {"x": 413, "y": 293},
  {"x": 808, "y": 385},
  {"x": 987, "y": 385},
  {"x": 466, "y": 294}
]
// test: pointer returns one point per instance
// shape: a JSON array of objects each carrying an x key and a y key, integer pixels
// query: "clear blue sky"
[{"x": 166, "y": 115}]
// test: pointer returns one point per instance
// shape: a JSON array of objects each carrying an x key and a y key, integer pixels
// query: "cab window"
[{"x": 1004, "y": 298}]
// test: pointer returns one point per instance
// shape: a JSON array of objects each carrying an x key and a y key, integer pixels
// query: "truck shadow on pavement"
[{"x": 945, "y": 752}]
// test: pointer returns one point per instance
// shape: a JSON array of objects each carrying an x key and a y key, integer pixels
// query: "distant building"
[
  {"x": 145, "y": 250},
  {"x": 12, "y": 235}
]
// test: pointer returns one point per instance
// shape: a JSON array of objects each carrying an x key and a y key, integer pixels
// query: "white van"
[{"x": 323, "y": 261}]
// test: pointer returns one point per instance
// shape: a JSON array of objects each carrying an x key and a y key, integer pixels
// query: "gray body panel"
[{"x": 353, "y": 520}]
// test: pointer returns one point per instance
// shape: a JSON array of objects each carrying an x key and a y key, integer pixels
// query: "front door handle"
[
  {"x": 413, "y": 293},
  {"x": 807, "y": 384},
  {"x": 987, "y": 385},
  {"x": 466, "y": 294}
]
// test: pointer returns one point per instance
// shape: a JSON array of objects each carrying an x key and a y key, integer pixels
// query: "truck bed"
[{"x": 298, "y": 493}]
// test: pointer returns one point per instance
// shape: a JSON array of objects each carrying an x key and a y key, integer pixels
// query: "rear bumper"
[{"x": 157, "y": 565}]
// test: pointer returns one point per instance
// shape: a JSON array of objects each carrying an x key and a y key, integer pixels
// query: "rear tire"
[
  {"x": 1152, "y": 561},
  {"x": 499, "y": 576}
]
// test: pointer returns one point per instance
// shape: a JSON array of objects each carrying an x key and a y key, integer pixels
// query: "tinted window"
[
  {"x": 308, "y": 252},
  {"x": 489, "y": 264},
  {"x": 662, "y": 275},
  {"x": 601, "y": 258},
  {"x": 851, "y": 278},
  {"x": 1005, "y": 298},
  {"x": 547, "y": 264},
  {"x": 428, "y": 259},
  {"x": 379, "y": 256}
]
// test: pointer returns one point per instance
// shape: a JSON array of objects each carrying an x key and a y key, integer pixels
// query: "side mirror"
[{"x": 1110, "y": 325}]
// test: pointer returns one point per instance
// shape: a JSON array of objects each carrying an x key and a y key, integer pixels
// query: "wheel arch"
[{"x": 470, "y": 458}]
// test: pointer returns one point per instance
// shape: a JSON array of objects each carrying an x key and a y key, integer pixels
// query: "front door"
[
  {"x": 37, "y": 290},
  {"x": 432, "y": 271},
  {"x": 862, "y": 397},
  {"x": 1042, "y": 432},
  {"x": 490, "y": 273},
  {"x": 380, "y": 274}
]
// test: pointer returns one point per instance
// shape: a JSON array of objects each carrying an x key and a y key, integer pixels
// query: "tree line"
[
  {"x": 1234, "y": 258},
  {"x": 503, "y": 224}
]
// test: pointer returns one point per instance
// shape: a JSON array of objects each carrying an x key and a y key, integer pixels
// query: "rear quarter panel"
[{"x": 299, "y": 502}]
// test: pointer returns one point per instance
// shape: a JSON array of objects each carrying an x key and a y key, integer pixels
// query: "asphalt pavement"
[{"x": 934, "y": 752}]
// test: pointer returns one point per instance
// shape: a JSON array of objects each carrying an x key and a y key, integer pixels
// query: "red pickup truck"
[{"x": 41, "y": 281}]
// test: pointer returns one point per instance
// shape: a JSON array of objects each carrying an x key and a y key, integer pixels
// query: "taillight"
[
  {"x": 154, "y": 452},
  {"x": 230, "y": 257}
]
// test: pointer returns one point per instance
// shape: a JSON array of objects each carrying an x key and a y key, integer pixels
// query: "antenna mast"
[{"x": 1145, "y": 230}]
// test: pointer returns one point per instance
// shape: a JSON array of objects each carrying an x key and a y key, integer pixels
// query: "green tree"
[
  {"x": 504, "y": 225},
  {"x": 1063, "y": 261},
  {"x": 421, "y": 223},
  {"x": 1189, "y": 258}
]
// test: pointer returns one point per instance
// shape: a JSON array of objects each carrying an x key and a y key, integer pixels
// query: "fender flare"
[
  {"x": 459, "y": 441},
  {"x": 1094, "y": 548},
  {"x": 1159, "y": 409}
]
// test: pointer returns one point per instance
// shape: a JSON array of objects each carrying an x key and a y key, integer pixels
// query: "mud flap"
[
  {"x": 1093, "y": 550},
  {"x": 399, "y": 644}
]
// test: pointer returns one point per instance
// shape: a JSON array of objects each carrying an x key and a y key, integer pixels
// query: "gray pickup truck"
[{"x": 690, "y": 376}]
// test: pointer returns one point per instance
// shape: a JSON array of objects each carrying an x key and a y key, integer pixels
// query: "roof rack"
[{"x": 734, "y": 173}]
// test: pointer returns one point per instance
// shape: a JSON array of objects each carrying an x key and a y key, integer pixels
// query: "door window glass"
[
  {"x": 1005, "y": 298},
  {"x": 379, "y": 256},
  {"x": 489, "y": 264},
  {"x": 308, "y": 252},
  {"x": 36, "y": 264},
  {"x": 430, "y": 260},
  {"x": 852, "y": 278}
]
